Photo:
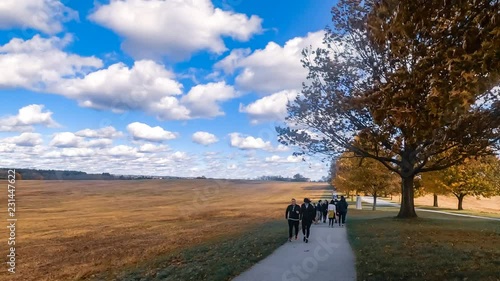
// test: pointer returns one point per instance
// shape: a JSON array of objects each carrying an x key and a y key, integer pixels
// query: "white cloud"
[
  {"x": 39, "y": 63},
  {"x": 203, "y": 100},
  {"x": 158, "y": 163},
  {"x": 43, "y": 15},
  {"x": 204, "y": 138},
  {"x": 150, "y": 148},
  {"x": 274, "y": 158},
  {"x": 106, "y": 133},
  {"x": 279, "y": 159},
  {"x": 269, "y": 108},
  {"x": 100, "y": 143},
  {"x": 179, "y": 156},
  {"x": 72, "y": 140},
  {"x": 27, "y": 117},
  {"x": 281, "y": 148},
  {"x": 25, "y": 139},
  {"x": 123, "y": 151},
  {"x": 75, "y": 152},
  {"x": 175, "y": 28},
  {"x": 141, "y": 131},
  {"x": 7, "y": 147},
  {"x": 274, "y": 68},
  {"x": 248, "y": 142},
  {"x": 66, "y": 139},
  {"x": 121, "y": 88},
  {"x": 169, "y": 108},
  {"x": 233, "y": 61},
  {"x": 146, "y": 87}
]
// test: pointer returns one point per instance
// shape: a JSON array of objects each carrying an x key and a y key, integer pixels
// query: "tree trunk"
[
  {"x": 435, "y": 200},
  {"x": 460, "y": 201},
  {"x": 407, "y": 209},
  {"x": 374, "y": 201}
]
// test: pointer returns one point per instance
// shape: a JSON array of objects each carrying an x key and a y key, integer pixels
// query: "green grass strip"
[
  {"x": 222, "y": 259},
  {"x": 432, "y": 247}
]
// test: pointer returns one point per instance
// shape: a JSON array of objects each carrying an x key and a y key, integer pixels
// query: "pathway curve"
[{"x": 327, "y": 256}]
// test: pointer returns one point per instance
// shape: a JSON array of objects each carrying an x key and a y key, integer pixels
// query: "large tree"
[{"x": 414, "y": 80}]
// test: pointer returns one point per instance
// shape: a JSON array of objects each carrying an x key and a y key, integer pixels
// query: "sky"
[{"x": 154, "y": 87}]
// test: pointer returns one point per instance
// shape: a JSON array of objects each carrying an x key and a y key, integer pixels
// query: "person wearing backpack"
[
  {"x": 342, "y": 209},
  {"x": 331, "y": 214},
  {"x": 292, "y": 215}
]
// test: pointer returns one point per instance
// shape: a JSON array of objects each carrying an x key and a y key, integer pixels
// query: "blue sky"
[{"x": 172, "y": 87}]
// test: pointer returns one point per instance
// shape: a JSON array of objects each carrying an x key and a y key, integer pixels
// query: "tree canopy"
[
  {"x": 363, "y": 175},
  {"x": 411, "y": 84}
]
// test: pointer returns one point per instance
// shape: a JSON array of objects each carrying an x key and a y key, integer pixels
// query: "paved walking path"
[
  {"x": 384, "y": 203},
  {"x": 327, "y": 256}
]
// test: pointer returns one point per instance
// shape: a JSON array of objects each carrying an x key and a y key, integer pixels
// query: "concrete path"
[
  {"x": 380, "y": 202},
  {"x": 384, "y": 203},
  {"x": 327, "y": 256}
]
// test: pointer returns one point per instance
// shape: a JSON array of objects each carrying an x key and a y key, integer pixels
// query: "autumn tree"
[
  {"x": 430, "y": 183},
  {"x": 341, "y": 176},
  {"x": 415, "y": 80},
  {"x": 472, "y": 178},
  {"x": 365, "y": 175}
]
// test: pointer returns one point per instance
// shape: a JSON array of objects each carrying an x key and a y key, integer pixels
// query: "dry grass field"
[{"x": 73, "y": 230}]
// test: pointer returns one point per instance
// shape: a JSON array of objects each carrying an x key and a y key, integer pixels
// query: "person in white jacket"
[{"x": 331, "y": 214}]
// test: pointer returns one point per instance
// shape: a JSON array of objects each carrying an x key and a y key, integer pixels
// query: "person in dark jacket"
[
  {"x": 292, "y": 214},
  {"x": 325, "y": 210},
  {"x": 318, "y": 211},
  {"x": 307, "y": 216},
  {"x": 342, "y": 209},
  {"x": 335, "y": 202}
]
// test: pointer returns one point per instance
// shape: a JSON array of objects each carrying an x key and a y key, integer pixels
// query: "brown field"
[
  {"x": 72, "y": 230},
  {"x": 482, "y": 205}
]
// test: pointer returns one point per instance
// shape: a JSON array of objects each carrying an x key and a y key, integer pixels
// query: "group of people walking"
[{"x": 307, "y": 213}]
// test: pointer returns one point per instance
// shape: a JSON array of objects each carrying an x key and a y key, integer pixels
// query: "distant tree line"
[
  {"x": 40, "y": 174},
  {"x": 295, "y": 178}
]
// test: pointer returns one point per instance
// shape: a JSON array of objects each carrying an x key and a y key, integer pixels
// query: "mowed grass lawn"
[
  {"x": 432, "y": 247},
  {"x": 149, "y": 229}
]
